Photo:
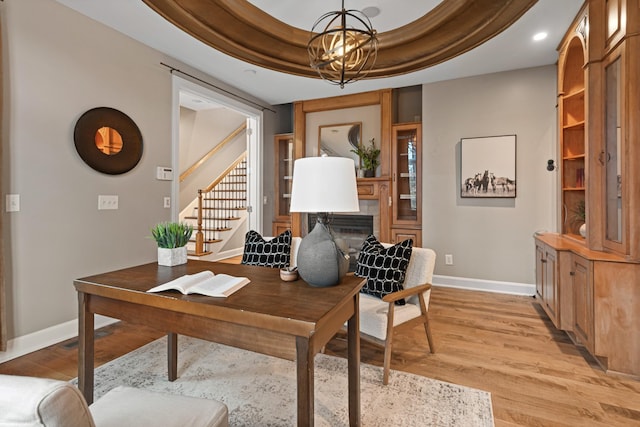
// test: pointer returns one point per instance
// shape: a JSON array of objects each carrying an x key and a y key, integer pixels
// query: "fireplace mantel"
[{"x": 378, "y": 189}]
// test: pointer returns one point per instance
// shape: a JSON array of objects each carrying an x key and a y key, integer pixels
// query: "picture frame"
[{"x": 488, "y": 167}]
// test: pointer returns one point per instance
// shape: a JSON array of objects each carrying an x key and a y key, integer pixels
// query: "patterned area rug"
[{"x": 261, "y": 390}]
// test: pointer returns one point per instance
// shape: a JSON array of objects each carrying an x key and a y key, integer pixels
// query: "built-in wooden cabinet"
[
  {"x": 595, "y": 296},
  {"x": 284, "y": 151},
  {"x": 406, "y": 176},
  {"x": 547, "y": 290},
  {"x": 572, "y": 133},
  {"x": 581, "y": 273},
  {"x": 400, "y": 234}
]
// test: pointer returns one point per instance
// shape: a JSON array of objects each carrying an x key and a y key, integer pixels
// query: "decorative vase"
[
  {"x": 369, "y": 173},
  {"x": 319, "y": 261},
  {"x": 172, "y": 256},
  {"x": 360, "y": 173},
  {"x": 583, "y": 230}
]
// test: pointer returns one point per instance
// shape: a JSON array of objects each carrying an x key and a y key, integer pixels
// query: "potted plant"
[
  {"x": 580, "y": 217},
  {"x": 368, "y": 157},
  {"x": 172, "y": 239}
]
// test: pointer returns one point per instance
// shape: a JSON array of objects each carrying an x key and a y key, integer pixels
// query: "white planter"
[
  {"x": 171, "y": 257},
  {"x": 583, "y": 230}
]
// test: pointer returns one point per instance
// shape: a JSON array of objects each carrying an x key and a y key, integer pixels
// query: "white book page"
[
  {"x": 204, "y": 283},
  {"x": 183, "y": 283},
  {"x": 220, "y": 285}
]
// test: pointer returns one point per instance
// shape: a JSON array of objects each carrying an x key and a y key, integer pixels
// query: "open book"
[{"x": 204, "y": 283}]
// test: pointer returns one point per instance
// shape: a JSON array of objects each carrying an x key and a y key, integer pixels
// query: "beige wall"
[
  {"x": 57, "y": 65},
  {"x": 490, "y": 239},
  {"x": 61, "y": 64}
]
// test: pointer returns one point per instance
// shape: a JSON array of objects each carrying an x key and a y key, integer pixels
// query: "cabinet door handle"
[
  {"x": 604, "y": 157},
  {"x": 543, "y": 260},
  {"x": 572, "y": 273}
]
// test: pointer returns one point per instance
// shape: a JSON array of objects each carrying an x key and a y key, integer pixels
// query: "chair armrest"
[{"x": 406, "y": 293}]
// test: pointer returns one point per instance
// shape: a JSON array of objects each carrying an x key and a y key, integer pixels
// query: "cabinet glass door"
[
  {"x": 284, "y": 159},
  {"x": 406, "y": 152},
  {"x": 610, "y": 158}
]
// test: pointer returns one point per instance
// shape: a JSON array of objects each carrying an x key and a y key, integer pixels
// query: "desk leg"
[
  {"x": 172, "y": 356},
  {"x": 304, "y": 367},
  {"x": 85, "y": 347},
  {"x": 353, "y": 355}
]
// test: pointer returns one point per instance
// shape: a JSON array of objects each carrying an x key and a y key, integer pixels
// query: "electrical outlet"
[
  {"x": 107, "y": 202},
  {"x": 448, "y": 259},
  {"x": 167, "y": 202}
]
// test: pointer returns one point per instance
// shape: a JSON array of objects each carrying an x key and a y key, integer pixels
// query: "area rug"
[{"x": 261, "y": 390}]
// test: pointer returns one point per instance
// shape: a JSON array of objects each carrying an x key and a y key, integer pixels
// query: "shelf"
[
  {"x": 573, "y": 188},
  {"x": 572, "y": 126},
  {"x": 574, "y": 157},
  {"x": 406, "y": 175},
  {"x": 576, "y": 94},
  {"x": 407, "y": 197}
]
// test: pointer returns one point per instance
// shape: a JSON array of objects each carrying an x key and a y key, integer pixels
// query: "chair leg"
[
  {"x": 388, "y": 345},
  {"x": 427, "y": 329}
]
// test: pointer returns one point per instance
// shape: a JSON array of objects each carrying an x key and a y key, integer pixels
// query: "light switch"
[
  {"x": 12, "y": 202},
  {"x": 167, "y": 202}
]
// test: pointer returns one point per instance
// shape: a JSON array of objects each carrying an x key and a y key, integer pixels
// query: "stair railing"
[
  {"x": 226, "y": 196},
  {"x": 211, "y": 152}
]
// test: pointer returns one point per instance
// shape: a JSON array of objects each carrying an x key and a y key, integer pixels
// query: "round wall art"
[{"x": 108, "y": 140}]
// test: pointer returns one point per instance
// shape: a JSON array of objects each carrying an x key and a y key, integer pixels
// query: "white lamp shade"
[{"x": 324, "y": 184}]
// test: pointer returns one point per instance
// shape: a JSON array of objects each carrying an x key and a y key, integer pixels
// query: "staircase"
[{"x": 218, "y": 212}]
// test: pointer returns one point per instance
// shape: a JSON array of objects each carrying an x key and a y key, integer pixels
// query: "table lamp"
[{"x": 323, "y": 185}]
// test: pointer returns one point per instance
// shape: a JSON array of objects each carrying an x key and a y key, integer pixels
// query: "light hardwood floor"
[{"x": 499, "y": 343}]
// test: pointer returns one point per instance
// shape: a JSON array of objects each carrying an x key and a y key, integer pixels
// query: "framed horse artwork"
[{"x": 488, "y": 167}]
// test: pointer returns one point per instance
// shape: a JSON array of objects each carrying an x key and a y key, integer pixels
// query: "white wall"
[
  {"x": 490, "y": 239},
  {"x": 200, "y": 132}
]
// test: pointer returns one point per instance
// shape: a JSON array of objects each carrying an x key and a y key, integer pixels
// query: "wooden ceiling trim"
[{"x": 241, "y": 30}]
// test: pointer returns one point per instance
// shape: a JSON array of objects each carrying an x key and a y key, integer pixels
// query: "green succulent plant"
[
  {"x": 172, "y": 234},
  {"x": 368, "y": 155}
]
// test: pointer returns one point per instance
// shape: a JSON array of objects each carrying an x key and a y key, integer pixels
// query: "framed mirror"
[
  {"x": 338, "y": 140},
  {"x": 108, "y": 140}
]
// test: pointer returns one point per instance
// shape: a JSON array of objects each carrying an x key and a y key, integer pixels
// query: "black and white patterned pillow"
[
  {"x": 384, "y": 268},
  {"x": 275, "y": 253}
]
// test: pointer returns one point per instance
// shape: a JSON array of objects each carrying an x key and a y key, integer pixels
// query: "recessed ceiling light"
[
  {"x": 540, "y": 36},
  {"x": 371, "y": 11}
]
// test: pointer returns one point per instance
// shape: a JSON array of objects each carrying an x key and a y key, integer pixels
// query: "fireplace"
[{"x": 353, "y": 229}]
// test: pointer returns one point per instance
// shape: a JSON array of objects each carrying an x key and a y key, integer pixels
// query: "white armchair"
[
  {"x": 379, "y": 317},
  {"x": 40, "y": 402}
]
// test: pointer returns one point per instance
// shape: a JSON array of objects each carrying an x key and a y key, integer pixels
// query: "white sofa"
[{"x": 40, "y": 402}]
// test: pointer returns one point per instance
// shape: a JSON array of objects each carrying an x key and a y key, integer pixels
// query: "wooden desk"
[{"x": 291, "y": 320}]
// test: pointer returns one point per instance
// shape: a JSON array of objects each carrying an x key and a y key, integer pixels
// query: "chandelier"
[{"x": 343, "y": 46}]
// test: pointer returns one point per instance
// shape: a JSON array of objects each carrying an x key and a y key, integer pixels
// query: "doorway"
[{"x": 185, "y": 92}]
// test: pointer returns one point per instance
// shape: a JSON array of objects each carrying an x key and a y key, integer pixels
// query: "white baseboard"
[
  {"x": 229, "y": 254},
  {"x": 511, "y": 288},
  {"x": 38, "y": 340}
]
